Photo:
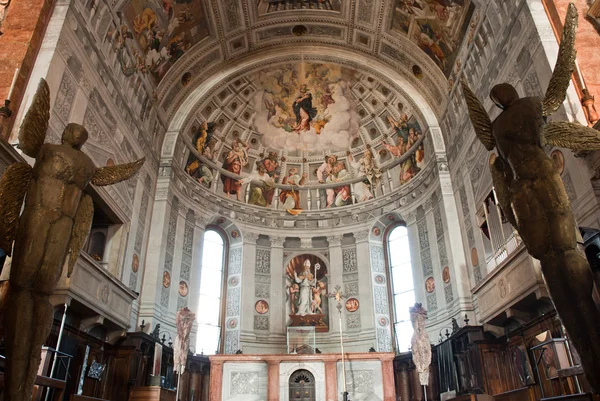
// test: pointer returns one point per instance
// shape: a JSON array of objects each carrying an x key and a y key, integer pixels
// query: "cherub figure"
[
  {"x": 56, "y": 218},
  {"x": 317, "y": 291},
  {"x": 293, "y": 290},
  {"x": 533, "y": 197}
]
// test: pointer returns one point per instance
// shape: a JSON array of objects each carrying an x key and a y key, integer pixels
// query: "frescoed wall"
[
  {"x": 436, "y": 26},
  {"x": 165, "y": 30}
]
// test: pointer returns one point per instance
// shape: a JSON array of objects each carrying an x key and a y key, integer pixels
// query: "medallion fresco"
[
  {"x": 306, "y": 286},
  {"x": 436, "y": 26},
  {"x": 164, "y": 30}
]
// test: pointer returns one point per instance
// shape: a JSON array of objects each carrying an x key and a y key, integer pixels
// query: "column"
[
  {"x": 277, "y": 286},
  {"x": 331, "y": 393},
  {"x": 216, "y": 381},
  {"x": 196, "y": 272},
  {"x": 365, "y": 288},
  {"x": 273, "y": 385},
  {"x": 152, "y": 280},
  {"x": 387, "y": 370},
  {"x": 456, "y": 247},
  {"x": 335, "y": 277},
  {"x": 248, "y": 270}
]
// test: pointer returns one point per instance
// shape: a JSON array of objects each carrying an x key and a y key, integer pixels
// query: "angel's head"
[
  {"x": 503, "y": 95},
  {"x": 75, "y": 135}
]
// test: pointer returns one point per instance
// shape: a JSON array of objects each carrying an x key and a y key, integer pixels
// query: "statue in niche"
[
  {"x": 306, "y": 283},
  {"x": 533, "y": 197},
  {"x": 57, "y": 217}
]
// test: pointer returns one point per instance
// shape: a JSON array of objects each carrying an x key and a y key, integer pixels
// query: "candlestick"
[{"x": 12, "y": 86}]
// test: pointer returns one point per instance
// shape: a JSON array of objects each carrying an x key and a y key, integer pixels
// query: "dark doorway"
[{"x": 302, "y": 386}]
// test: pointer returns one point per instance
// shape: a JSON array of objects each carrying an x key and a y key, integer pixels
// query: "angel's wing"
[
  {"x": 112, "y": 174},
  {"x": 479, "y": 118},
  {"x": 572, "y": 136},
  {"x": 13, "y": 187},
  {"x": 35, "y": 124},
  {"x": 81, "y": 229},
  {"x": 565, "y": 64}
]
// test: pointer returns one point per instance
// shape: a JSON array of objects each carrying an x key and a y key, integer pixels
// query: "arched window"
[
  {"x": 211, "y": 289},
  {"x": 402, "y": 285}
]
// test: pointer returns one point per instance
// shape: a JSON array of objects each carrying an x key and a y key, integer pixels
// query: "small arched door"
[{"x": 302, "y": 386}]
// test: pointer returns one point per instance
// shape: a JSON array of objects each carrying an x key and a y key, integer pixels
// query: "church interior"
[{"x": 314, "y": 200}]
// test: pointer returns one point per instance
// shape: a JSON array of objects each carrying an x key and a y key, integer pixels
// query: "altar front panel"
[
  {"x": 244, "y": 381},
  {"x": 370, "y": 376},
  {"x": 287, "y": 368}
]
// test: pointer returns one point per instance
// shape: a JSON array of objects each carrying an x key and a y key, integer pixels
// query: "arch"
[
  {"x": 429, "y": 109},
  {"x": 97, "y": 245},
  {"x": 302, "y": 386},
  {"x": 400, "y": 282},
  {"x": 213, "y": 271},
  {"x": 226, "y": 227}
]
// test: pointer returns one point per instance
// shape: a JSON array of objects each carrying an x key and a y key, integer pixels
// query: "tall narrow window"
[
  {"x": 211, "y": 285},
  {"x": 403, "y": 288}
]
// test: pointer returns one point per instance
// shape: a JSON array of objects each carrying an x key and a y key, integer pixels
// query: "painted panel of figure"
[
  {"x": 204, "y": 142},
  {"x": 306, "y": 286},
  {"x": 305, "y": 106},
  {"x": 438, "y": 27},
  {"x": 408, "y": 132},
  {"x": 165, "y": 30}
]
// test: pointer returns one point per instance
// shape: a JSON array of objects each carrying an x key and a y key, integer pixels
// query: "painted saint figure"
[
  {"x": 304, "y": 110},
  {"x": 234, "y": 161},
  {"x": 290, "y": 199},
  {"x": 323, "y": 173},
  {"x": 262, "y": 187},
  {"x": 366, "y": 166},
  {"x": 340, "y": 196}
]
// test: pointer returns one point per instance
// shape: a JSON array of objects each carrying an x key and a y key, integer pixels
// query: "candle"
[{"x": 12, "y": 86}]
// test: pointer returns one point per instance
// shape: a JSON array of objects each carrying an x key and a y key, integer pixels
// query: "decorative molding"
[
  {"x": 277, "y": 242},
  {"x": 335, "y": 240}
]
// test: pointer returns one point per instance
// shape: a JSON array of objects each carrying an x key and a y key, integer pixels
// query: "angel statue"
[
  {"x": 56, "y": 218},
  {"x": 533, "y": 197}
]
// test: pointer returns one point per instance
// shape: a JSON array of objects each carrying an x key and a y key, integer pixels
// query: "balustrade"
[{"x": 313, "y": 196}]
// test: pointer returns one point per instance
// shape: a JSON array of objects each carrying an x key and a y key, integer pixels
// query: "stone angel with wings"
[
  {"x": 56, "y": 218},
  {"x": 533, "y": 197}
]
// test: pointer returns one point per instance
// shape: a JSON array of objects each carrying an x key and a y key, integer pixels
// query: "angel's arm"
[
  {"x": 113, "y": 174},
  {"x": 81, "y": 229},
  {"x": 502, "y": 178},
  {"x": 13, "y": 187},
  {"x": 35, "y": 124},
  {"x": 565, "y": 64},
  {"x": 479, "y": 118}
]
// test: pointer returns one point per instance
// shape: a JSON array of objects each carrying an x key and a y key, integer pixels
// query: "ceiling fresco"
[
  {"x": 306, "y": 107},
  {"x": 269, "y": 6},
  {"x": 436, "y": 26},
  {"x": 164, "y": 30},
  {"x": 305, "y": 123}
]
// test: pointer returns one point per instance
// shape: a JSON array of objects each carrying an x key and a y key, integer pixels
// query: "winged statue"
[
  {"x": 46, "y": 216},
  {"x": 533, "y": 197}
]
